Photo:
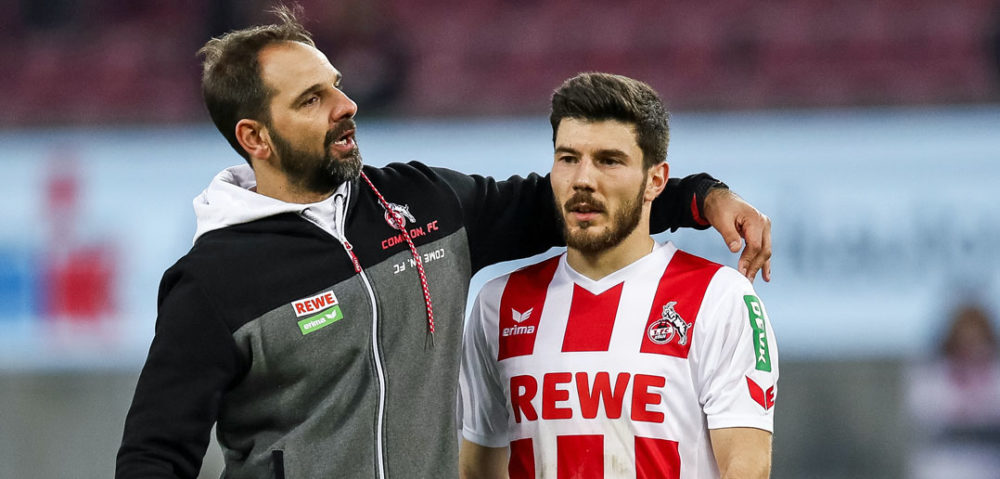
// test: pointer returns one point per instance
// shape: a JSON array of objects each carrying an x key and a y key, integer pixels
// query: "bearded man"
[{"x": 317, "y": 320}]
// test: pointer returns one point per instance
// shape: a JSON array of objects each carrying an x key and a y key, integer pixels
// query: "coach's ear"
[
  {"x": 656, "y": 180},
  {"x": 253, "y": 137}
]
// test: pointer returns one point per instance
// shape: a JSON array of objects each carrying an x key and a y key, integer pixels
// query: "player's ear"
[
  {"x": 253, "y": 137},
  {"x": 656, "y": 180}
]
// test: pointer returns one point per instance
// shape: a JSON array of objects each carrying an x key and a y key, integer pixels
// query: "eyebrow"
[
  {"x": 566, "y": 149},
  {"x": 602, "y": 152}
]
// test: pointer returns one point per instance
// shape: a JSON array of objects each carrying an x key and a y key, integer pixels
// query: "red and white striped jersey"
[{"x": 620, "y": 377}]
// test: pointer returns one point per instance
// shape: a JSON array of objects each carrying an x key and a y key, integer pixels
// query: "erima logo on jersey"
[
  {"x": 670, "y": 324},
  {"x": 519, "y": 317},
  {"x": 400, "y": 211},
  {"x": 321, "y": 320},
  {"x": 761, "y": 396}
]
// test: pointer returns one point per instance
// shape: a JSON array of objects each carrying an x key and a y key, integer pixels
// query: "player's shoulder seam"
[{"x": 531, "y": 269}]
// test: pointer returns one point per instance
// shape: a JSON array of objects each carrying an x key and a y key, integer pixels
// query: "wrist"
[{"x": 705, "y": 193}]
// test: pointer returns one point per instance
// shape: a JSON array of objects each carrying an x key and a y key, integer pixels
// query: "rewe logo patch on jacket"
[{"x": 320, "y": 310}]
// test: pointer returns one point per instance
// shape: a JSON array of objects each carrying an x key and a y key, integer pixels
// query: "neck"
[
  {"x": 277, "y": 186},
  {"x": 602, "y": 263}
]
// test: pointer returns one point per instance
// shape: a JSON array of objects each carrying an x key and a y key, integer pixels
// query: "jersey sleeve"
[
  {"x": 736, "y": 356},
  {"x": 485, "y": 415},
  {"x": 516, "y": 218}
]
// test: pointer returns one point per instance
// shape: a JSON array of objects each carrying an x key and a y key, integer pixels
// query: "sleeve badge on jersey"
[
  {"x": 761, "y": 350},
  {"x": 670, "y": 324},
  {"x": 761, "y": 396}
]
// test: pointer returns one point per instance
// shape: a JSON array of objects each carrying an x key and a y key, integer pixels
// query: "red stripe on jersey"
[
  {"x": 580, "y": 457},
  {"x": 522, "y": 459},
  {"x": 675, "y": 308},
  {"x": 591, "y": 319},
  {"x": 656, "y": 459},
  {"x": 521, "y": 308}
]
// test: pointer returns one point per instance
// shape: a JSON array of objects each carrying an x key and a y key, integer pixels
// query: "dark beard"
[
  {"x": 624, "y": 222},
  {"x": 318, "y": 173}
]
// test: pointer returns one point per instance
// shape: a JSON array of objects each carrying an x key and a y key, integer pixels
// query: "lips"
[
  {"x": 345, "y": 141},
  {"x": 341, "y": 137},
  {"x": 584, "y": 207}
]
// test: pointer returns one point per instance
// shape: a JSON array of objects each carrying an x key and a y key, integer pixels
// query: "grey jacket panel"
[{"x": 316, "y": 420}]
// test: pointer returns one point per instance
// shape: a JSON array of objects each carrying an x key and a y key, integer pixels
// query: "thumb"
[{"x": 731, "y": 236}]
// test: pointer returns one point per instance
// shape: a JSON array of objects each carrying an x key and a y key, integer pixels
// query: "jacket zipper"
[
  {"x": 379, "y": 459},
  {"x": 380, "y": 372}
]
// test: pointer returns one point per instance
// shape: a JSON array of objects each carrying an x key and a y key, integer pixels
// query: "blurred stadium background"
[{"x": 868, "y": 130}]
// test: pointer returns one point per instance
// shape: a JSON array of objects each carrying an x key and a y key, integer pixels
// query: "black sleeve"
[
  {"x": 191, "y": 361},
  {"x": 517, "y": 218},
  {"x": 681, "y": 203}
]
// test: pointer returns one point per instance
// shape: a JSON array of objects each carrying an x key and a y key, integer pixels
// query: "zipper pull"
[{"x": 354, "y": 259}]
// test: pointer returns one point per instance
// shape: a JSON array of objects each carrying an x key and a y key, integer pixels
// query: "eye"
[
  {"x": 311, "y": 100},
  {"x": 566, "y": 159}
]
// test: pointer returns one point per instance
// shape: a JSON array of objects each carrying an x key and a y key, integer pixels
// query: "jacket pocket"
[{"x": 278, "y": 459}]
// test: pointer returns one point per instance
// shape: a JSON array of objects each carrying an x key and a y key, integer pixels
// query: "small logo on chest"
[
  {"x": 403, "y": 211},
  {"x": 670, "y": 325},
  {"x": 321, "y": 311},
  {"x": 518, "y": 318}
]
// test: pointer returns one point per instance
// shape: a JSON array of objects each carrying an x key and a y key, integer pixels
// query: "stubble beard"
[
  {"x": 319, "y": 172},
  {"x": 623, "y": 223}
]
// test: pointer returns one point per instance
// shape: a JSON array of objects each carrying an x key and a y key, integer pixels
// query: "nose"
[
  {"x": 343, "y": 107},
  {"x": 583, "y": 175}
]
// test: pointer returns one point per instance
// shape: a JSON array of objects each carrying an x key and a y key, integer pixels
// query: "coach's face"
[
  {"x": 311, "y": 125},
  {"x": 601, "y": 187}
]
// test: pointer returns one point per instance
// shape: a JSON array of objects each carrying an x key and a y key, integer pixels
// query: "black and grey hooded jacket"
[{"x": 310, "y": 368}]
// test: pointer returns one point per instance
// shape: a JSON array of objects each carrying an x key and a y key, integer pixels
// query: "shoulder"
[
  {"x": 536, "y": 275},
  {"x": 721, "y": 291},
  {"x": 418, "y": 183},
  {"x": 526, "y": 281},
  {"x": 716, "y": 276},
  {"x": 727, "y": 278},
  {"x": 410, "y": 171}
]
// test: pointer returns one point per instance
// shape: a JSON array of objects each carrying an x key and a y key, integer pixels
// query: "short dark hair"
[
  {"x": 231, "y": 82},
  {"x": 604, "y": 96}
]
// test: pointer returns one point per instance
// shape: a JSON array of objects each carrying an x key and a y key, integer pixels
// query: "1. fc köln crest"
[
  {"x": 403, "y": 211},
  {"x": 667, "y": 332},
  {"x": 669, "y": 326},
  {"x": 673, "y": 315}
]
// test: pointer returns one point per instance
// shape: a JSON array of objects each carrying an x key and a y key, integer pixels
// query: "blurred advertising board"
[{"x": 883, "y": 219}]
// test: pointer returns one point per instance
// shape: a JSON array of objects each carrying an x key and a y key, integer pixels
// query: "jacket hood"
[{"x": 231, "y": 199}]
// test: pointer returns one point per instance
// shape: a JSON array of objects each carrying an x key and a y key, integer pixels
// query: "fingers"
[
  {"x": 731, "y": 235},
  {"x": 757, "y": 253},
  {"x": 766, "y": 248},
  {"x": 738, "y": 222}
]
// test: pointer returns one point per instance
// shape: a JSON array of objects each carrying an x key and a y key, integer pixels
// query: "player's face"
[
  {"x": 598, "y": 181},
  {"x": 311, "y": 125}
]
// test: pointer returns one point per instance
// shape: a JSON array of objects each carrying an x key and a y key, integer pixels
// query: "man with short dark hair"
[
  {"x": 622, "y": 358},
  {"x": 317, "y": 319}
]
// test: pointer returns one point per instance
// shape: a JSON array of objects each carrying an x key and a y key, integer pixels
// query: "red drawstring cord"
[{"x": 413, "y": 250}]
